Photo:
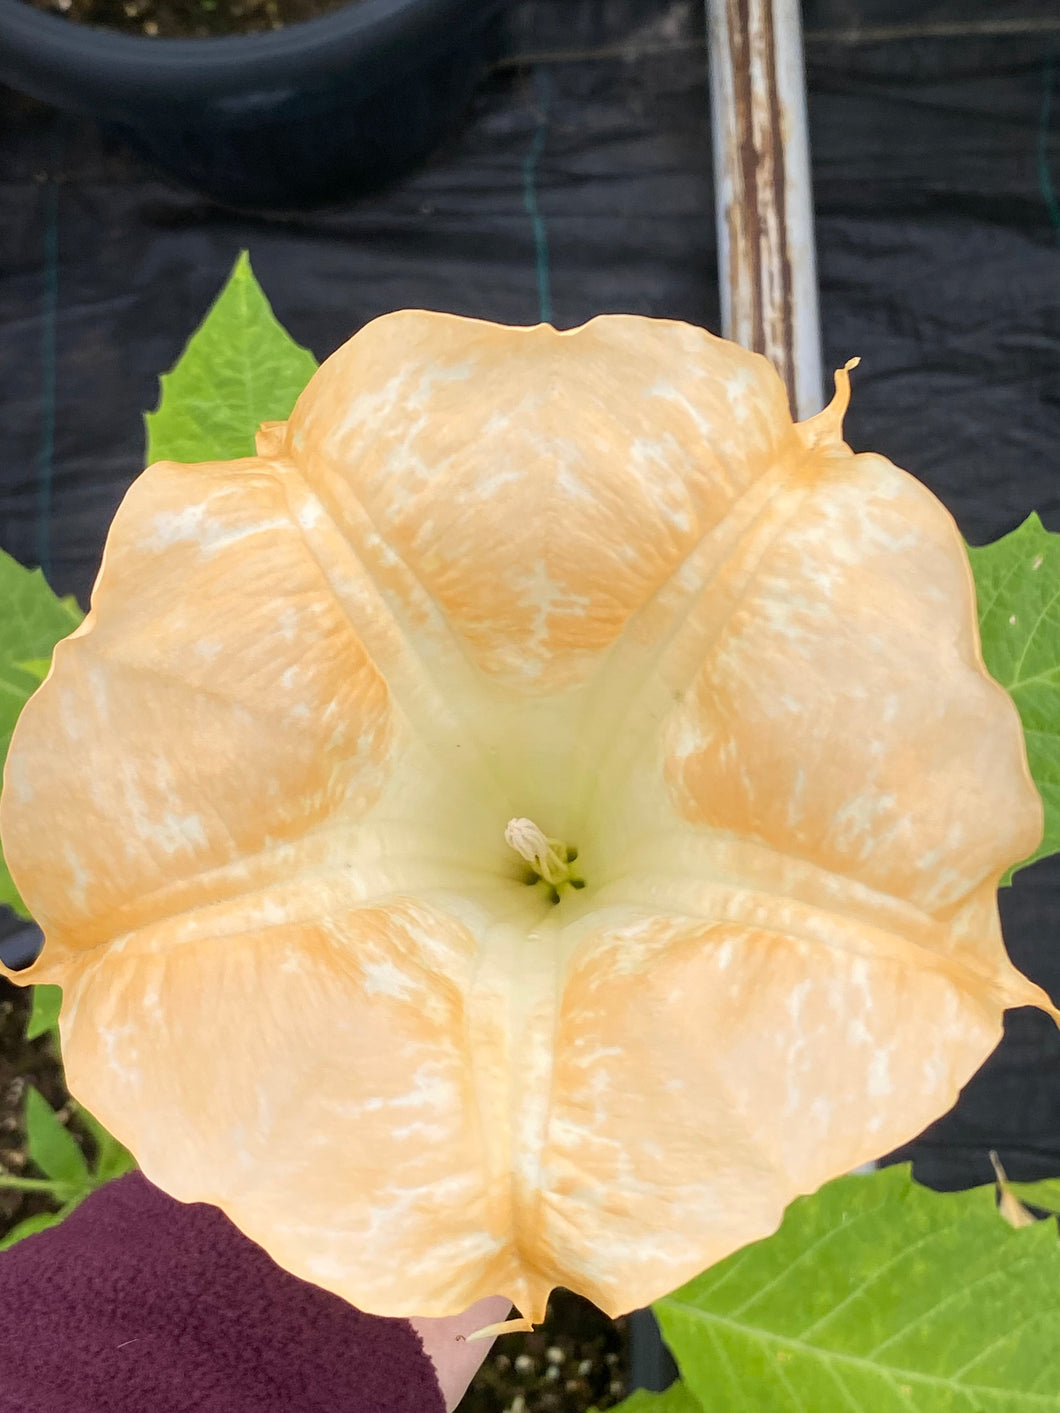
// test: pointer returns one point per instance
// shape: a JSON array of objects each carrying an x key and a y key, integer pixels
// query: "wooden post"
[{"x": 763, "y": 196}]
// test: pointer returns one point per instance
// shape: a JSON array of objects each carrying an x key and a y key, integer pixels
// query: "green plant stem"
[{"x": 59, "y": 1190}]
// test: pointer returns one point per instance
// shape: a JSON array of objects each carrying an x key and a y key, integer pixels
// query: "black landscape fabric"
[{"x": 581, "y": 185}]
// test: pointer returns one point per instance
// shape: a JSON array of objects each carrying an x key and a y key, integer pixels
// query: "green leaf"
[
  {"x": 51, "y": 1146},
  {"x": 27, "y": 1228},
  {"x": 36, "y": 667},
  {"x": 112, "y": 1158},
  {"x": 1017, "y": 581},
  {"x": 114, "y": 1161},
  {"x": 40, "y": 1222},
  {"x": 877, "y": 1296},
  {"x": 677, "y": 1399},
  {"x": 32, "y": 620},
  {"x": 239, "y": 369},
  {"x": 55, "y": 1151},
  {"x": 1045, "y": 1195},
  {"x": 45, "y": 1014}
]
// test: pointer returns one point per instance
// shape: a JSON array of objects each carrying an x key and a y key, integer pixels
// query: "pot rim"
[{"x": 47, "y": 40}]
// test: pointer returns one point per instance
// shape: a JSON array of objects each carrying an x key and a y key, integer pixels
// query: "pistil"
[{"x": 550, "y": 859}]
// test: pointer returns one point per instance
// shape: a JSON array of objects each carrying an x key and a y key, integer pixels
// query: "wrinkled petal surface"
[{"x": 599, "y": 580}]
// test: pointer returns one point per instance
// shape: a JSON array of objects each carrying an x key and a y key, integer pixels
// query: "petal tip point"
[{"x": 825, "y": 428}]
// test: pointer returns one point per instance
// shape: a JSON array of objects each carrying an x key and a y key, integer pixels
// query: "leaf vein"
[
  {"x": 1028, "y": 1400},
  {"x": 961, "y": 1293}
]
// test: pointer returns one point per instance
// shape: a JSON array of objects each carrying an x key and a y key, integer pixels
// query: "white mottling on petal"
[
  {"x": 79, "y": 874},
  {"x": 821, "y": 1112},
  {"x": 724, "y": 955},
  {"x": 431, "y": 1090},
  {"x": 880, "y": 1082},
  {"x": 173, "y": 832},
  {"x": 385, "y": 979},
  {"x": 796, "y": 999},
  {"x": 421, "y": 1131},
  {"x": 71, "y": 715}
]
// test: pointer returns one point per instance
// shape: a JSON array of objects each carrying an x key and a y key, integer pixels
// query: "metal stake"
[
  {"x": 763, "y": 196},
  {"x": 768, "y": 274}
]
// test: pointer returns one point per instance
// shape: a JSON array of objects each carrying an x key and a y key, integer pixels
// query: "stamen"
[
  {"x": 544, "y": 854},
  {"x": 503, "y": 1327}
]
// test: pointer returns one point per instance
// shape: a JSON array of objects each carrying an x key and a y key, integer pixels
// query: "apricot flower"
[{"x": 528, "y": 824}]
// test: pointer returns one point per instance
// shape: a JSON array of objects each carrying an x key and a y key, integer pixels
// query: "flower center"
[{"x": 550, "y": 860}]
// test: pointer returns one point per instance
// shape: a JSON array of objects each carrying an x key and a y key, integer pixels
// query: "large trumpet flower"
[{"x": 526, "y": 825}]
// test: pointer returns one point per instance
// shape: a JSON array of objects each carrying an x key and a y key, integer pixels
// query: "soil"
[
  {"x": 189, "y": 19},
  {"x": 577, "y": 1360}
]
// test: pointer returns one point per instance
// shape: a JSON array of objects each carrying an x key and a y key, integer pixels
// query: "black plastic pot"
[
  {"x": 291, "y": 118},
  {"x": 21, "y": 942}
]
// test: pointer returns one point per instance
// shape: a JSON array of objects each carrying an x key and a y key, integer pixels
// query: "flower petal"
[
  {"x": 535, "y": 487},
  {"x": 842, "y": 712},
  {"x": 708, "y": 1073},
  {"x": 599, "y": 581},
  {"x": 214, "y": 705},
  {"x": 303, "y": 1063}
]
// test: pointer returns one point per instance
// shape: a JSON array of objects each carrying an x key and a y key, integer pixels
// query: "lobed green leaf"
[
  {"x": 1017, "y": 581},
  {"x": 877, "y": 1296},
  {"x": 31, "y": 623},
  {"x": 240, "y": 368},
  {"x": 677, "y": 1398}
]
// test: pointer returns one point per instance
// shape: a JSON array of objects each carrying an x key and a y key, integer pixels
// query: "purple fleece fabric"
[{"x": 137, "y": 1303}]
